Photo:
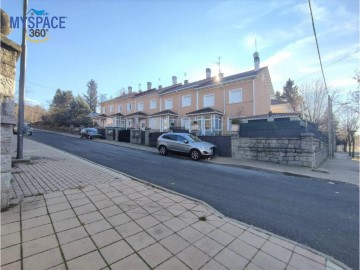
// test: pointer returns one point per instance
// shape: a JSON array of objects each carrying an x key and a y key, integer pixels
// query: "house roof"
[
  {"x": 211, "y": 81},
  {"x": 99, "y": 116},
  {"x": 235, "y": 77},
  {"x": 137, "y": 113},
  {"x": 278, "y": 102},
  {"x": 166, "y": 112},
  {"x": 207, "y": 110},
  {"x": 273, "y": 115},
  {"x": 116, "y": 114},
  {"x": 147, "y": 92}
]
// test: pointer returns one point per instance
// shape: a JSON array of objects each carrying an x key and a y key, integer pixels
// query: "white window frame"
[
  {"x": 111, "y": 110},
  {"x": 186, "y": 100},
  {"x": 140, "y": 106},
  {"x": 185, "y": 123},
  {"x": 167, "y": 102},
  {"x": 128, "y": 107},
  {"x": 104, "y": 110},
  {"x": 232, "y": 97},
  {"x": 153, "y": 104},
  {"x": 119, "y": 108},
  {"x": 213, "y": 100}
]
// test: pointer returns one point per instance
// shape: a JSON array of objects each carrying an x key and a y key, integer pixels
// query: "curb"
[{"x": 216, "y": 212}]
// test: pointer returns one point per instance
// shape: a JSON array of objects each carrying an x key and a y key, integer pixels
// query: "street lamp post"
[{"x": 20, "y": 138}]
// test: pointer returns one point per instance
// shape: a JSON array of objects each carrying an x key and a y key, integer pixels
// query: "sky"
[{"x": 121, "y": 43}]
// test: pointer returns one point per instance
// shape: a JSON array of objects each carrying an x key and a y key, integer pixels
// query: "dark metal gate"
[
  {"x": 223, "y": 144},
  {"x": 142, "y": 137},
  {"x": 153, "y": 136},
  {"x": 124, "y": 136}
]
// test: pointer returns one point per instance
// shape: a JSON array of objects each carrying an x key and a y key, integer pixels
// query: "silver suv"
[{"x": 185, "y": 143}]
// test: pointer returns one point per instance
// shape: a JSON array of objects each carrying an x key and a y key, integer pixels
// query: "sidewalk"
[{"x": 80, "y": 215}]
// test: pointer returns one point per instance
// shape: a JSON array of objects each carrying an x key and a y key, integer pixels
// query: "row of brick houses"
[{"x": 207, "y": 105}]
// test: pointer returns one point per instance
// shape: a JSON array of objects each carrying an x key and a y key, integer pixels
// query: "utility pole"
[
  {"x": 20, "y": 138},
  {"x": 330, "y": 143}
]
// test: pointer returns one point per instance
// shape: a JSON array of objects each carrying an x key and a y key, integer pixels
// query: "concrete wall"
[
  {"x": 9, "y": 55},
  {"x": 305, "y": 151}
]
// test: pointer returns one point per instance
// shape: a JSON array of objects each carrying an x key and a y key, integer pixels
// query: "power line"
[{"x": 317, "y": 45}]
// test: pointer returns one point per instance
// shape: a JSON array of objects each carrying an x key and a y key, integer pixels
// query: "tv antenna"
[{"x": 219, "y": 63}]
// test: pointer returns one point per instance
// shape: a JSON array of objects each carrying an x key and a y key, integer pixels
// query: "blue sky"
[{"x": 121, "y": 43}]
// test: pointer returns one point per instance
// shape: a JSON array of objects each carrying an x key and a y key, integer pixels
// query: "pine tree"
[
  {"x": 291, "y": 93},
  {"x": 92, "y": 95}
]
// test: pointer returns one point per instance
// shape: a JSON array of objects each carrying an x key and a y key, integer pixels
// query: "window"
[
  {"x": 209, "y": 100},
  {"x": 119, "y": 108},
  {"x": 140, "y": 107},
  {"x": 170, "y": 137},
  {"x": 168, "y": 104},
  {"x": 153, "y": 104},
  {"x": 104, "y": 110},
  {"x": 128, "y": 107},
  {"x": 111, "y": 108},
  {"x": 185, "y": 123},
  {"x": 186, "y": 101},
  {"x": 180, "y": 138},
  {"x": 235, "y": 96}
]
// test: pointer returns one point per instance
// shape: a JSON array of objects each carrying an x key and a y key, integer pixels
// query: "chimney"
[
  {"x": 174, "y": 80},
  {"x": 129, "y": 89},
  {"x": 208, "y": 73},
  {"x": 256, "y": 61},
  {"x": 148, "y": 85},
  {"x": 186, "y": 81},
  {"x": 160, "y": 86}
]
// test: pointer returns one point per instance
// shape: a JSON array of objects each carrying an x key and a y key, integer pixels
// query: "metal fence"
[{"x": 280, "y": 129}]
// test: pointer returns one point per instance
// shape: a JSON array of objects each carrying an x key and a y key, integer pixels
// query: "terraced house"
[{"x": 207, "y": 105}]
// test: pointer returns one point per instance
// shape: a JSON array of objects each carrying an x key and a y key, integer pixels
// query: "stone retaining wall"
[
  {"x": 305, "y": 151},
  {"x": 9, "y": 55}
]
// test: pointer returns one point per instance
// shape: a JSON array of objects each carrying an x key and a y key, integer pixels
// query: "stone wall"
[
  {"x": 9, "y": 55},
  {"x": 305, "y": 151}
]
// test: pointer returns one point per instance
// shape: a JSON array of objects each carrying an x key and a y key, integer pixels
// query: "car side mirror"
[{"x": 186, "y": 141}]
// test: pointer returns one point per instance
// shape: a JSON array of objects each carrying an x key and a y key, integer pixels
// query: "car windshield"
[
  {"x": 192, "y": 138},
  {"x": 92, "y": 130}
]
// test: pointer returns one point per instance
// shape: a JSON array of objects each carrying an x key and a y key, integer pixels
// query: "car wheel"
[
  {"x": 162, "y": 150},
  {"x": 90, "y": 137},
  {"x": 195, "y": 154}
]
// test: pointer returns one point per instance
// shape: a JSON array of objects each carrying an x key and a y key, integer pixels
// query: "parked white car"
[{"x": 27, "y": 129}]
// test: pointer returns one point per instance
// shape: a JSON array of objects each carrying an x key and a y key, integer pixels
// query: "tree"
[
  {"x": 278, "y": 95},
  {"x": 62, "y": 99},
  {"x": 92, "y": 95},
  {"x": 32, "y": 113},
  {"x": 78, "y": 112},
  {"x": 291, "y": 93},
  {"x": 350, "y": 118}
]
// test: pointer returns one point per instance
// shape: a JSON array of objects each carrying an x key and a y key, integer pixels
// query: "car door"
[
  {"x": 170, "y": 140},
  {"x": 181, "y": 144}
]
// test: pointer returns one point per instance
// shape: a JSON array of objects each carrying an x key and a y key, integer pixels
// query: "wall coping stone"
[{"x": 10, "y": 45}]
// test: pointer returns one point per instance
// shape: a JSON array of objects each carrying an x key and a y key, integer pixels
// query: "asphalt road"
[{"x": 319, "y": 214}]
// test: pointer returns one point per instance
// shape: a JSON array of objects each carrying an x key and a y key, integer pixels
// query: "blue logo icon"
[{"x": 39, "y": 24}]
